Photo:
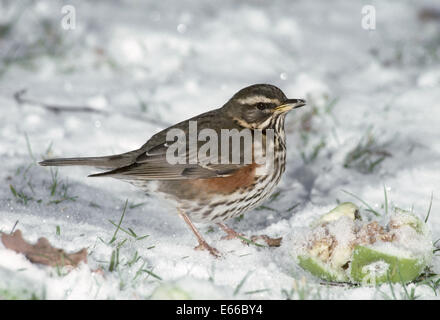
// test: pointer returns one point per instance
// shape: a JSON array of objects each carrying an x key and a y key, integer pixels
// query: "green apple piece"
[
  {"x": 345, "y": 209},
  {"x": 372, "y": 267},
  {"x": 169, "y": 292},
  {"x": 403, "y": 217},
  {"x": 320, "y": 269}
]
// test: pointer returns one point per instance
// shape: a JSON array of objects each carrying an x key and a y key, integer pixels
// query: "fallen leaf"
[{"x": 43, "y": 252}]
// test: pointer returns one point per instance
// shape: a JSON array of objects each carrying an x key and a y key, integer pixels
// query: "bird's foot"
[
  {"x": 203, "y": 245},
  {"x": 232, "y": 234}
]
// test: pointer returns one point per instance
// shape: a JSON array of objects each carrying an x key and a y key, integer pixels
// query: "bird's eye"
[{"x": 261, "y": 106}]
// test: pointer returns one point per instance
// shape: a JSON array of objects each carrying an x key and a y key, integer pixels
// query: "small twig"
[
  {"x": 339, "y": 284},
  {"x": 13, "y": 228},
  {"x": 18, "y": 97}
]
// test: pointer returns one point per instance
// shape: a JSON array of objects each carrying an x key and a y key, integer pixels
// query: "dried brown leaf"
[{"x": 43, "y": 252}]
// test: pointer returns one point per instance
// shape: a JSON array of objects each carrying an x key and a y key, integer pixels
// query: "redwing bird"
[{"x": 207, "y": 192}]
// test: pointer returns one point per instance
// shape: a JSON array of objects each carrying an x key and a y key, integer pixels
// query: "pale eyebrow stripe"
[{"x": 256, "y": 99}]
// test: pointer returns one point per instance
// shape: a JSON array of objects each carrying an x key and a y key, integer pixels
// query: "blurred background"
[
  {"x": 118, "y": 71},
  {"x": 84, "y": 78}
]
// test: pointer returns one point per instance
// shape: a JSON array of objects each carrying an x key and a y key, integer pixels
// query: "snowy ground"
[{"x": 146, "y": 64}]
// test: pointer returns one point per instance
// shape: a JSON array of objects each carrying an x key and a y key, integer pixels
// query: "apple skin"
[
  {"x": 169, "y": 292},
  {"x": 400, "y": 270},
  {"x": 320, "y": 270}
]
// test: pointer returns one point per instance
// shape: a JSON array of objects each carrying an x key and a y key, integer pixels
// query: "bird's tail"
[{"x": 106, "y": 162}]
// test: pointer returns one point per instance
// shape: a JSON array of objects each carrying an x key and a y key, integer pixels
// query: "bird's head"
[{"x": 259, "y": 105}]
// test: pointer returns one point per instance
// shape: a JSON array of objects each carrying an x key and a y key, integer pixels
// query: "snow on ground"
[{"x": 372, "y": 120}]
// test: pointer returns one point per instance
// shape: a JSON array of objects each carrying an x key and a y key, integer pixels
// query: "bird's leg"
[
  {"x": 203, "y": 245},
  {"x": 232, "y": 234}
]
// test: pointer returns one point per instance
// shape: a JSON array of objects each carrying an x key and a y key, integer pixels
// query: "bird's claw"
[
  {"x": 231, "y": 236},
  {"x": 205, "y": 246},
  {"x": 271, "y": 242}
]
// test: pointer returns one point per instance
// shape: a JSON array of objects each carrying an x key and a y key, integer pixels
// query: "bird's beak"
[{"x": 290, "y": 104}]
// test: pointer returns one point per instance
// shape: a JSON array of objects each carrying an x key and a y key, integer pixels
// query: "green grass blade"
[
  {"x": 368, "y": 206},
  {"x": 430, "y": 207}
]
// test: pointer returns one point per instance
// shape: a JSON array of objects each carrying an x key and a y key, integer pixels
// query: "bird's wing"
[{"x": 152, "y": 163}]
